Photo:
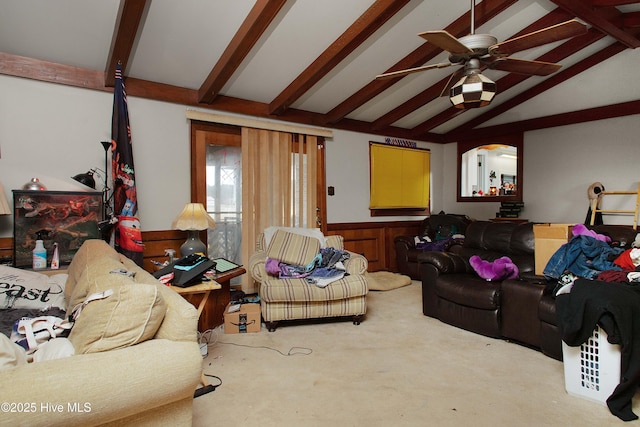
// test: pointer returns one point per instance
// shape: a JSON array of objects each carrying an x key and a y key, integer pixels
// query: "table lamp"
[{"x": 193, "y": 219}]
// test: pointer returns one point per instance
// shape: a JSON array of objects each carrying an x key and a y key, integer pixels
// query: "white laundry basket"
[{"x": 592, "y": 370}]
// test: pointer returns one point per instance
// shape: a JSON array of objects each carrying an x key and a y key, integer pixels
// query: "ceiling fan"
[{"x": 476, "y": 52}]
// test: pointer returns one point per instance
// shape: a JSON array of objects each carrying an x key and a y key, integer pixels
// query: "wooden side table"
[
  {"x": 203, "y": 288},
  {"x": 213, "y": 301}
]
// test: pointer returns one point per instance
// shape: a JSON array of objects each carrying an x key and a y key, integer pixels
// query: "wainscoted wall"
[
  {"x": 155, "y": 243},
  {"x": 6, "y": 250},
  {"x": 374, "y": 240}
]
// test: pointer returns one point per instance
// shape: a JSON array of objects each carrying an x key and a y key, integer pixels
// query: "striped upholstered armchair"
[{"x": 290, "y": 298}]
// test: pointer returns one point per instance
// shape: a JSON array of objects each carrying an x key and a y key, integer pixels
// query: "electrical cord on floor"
[
  {"x": 205, "y": 341},
  {"x": 210, "y": 337},
  {"x": 293, "y": 351}
]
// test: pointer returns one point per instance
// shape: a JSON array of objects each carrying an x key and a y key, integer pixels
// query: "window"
[{"x": 224, "y": 201}]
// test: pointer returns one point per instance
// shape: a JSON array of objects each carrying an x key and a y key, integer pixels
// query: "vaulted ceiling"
[{"x": 315, "y": 62}]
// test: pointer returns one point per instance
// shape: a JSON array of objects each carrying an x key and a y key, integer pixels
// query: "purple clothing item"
[
  {"x": 285, "y": 271},
  {"x": 272, "y": 266},
  {"x": 582, "y": 230}
]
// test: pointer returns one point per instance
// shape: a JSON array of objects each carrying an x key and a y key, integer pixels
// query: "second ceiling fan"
[{"x": 476, "y": 52}]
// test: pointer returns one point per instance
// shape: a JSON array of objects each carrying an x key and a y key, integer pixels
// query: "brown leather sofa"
[
  {"x": 408, "y": 257},
  {"x": 522, "y": 310}
]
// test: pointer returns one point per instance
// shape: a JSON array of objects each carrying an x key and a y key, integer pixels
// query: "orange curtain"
[{"x": 278, "y": 185}]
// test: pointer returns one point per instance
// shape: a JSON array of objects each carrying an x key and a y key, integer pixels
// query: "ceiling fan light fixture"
[{"x": 472, "y": 91}]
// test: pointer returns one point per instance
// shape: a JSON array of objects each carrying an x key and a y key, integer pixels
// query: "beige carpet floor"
[{"x": 398, "y": 368}]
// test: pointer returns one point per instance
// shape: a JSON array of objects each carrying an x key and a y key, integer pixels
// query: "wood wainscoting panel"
[
  {"x": 368, "y": 242},
  {"x": 155, "y": 244},
  {"x": 6, "y": 250},
  {"x": 374, "y": 240}
]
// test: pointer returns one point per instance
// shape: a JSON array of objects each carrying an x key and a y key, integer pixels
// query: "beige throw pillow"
[
  {"x": 131, "y": 315},
  {"x": 292, "y": 248}
]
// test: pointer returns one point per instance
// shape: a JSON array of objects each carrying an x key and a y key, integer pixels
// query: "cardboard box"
[
  {"x": 548, "y": 239},
  {"x": 246, "y": 319}
]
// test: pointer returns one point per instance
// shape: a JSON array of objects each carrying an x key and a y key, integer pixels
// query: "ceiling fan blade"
[
  {"x": 403, "y": 73},
  {"x": 521, "y": 66},
  {"x": 455, "y": 76},
  {"x": 445, "y": 41},
  {"x": 551, "y": 34}
]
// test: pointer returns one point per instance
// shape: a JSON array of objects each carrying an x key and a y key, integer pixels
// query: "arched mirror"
[{"x": 490, "y": 169}]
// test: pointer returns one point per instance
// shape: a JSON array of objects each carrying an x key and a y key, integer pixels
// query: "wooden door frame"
[{"x": 231, "y": 135}]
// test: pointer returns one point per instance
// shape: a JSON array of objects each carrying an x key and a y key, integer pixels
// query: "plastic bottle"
[
  {"x": 55, "y": 259},
  {"x": 39, "y": 256}
]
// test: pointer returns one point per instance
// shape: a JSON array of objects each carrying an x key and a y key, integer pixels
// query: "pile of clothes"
[
  {"x": 326, "y": 267},
  {"x": 589, "y": 255},
  {"x": 597, "y": 284}
]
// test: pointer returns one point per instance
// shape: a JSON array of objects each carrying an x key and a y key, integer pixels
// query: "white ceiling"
[{"x": 178, "y": 43}]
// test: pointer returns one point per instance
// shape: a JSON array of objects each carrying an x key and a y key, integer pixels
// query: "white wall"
[
  {"x": 54, "y": 132},
  {"x": 560, "y": 164},
  {"x": 347, "y": 157}
]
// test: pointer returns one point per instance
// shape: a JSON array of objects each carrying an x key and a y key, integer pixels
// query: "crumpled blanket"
[
  {"x": 326, "y": 267},
  {"x": 425, "y": 244}
]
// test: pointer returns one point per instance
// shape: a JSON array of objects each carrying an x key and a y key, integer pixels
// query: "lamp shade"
[
  {"x": 472, "y": 91},
  {"x": 85, "y": 179},
  {"x": 4, "y": 203},
  {"x": 193, "y": 217}
]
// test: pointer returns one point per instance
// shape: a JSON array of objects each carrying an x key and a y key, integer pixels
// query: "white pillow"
[
  {"x": 29, "y": 289},
  {"x": 11, "y": 354},
  {"x": 55, "y": 348},
  {"x": 311, "y": 232}
]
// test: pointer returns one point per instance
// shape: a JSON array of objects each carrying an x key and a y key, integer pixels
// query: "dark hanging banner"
[{"x": 128, "y": 235}]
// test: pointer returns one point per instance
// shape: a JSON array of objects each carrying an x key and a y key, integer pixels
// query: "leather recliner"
[
  {"x": 408, "y": 257},
  {"x": 522, "y": 310},
  {"x": 455, "y": 294}
]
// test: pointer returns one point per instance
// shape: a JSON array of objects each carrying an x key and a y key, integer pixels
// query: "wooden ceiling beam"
[
  {"x": 602, "y": 55},
  {"x": 485, "y": 11},
  {"x": 369, "y": 22},
  {"x": 52, "y": 72},
  {"x": 631, "y": 20},
  {"x": 564, "y": 119},
  {"x": 18, "y": 66},
  {"x": 252, "y": 28},
  {"x": 607, "y": 19},
  {"x": 430, "y": 94},
  {"x": 609, "y": 3},
  {"x": 125, "y": 31}
]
